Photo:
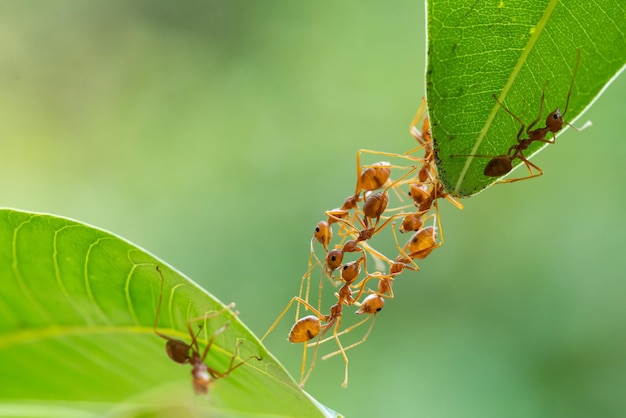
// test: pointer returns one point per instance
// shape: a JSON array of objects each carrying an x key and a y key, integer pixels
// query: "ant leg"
[
  {"x": 344, "y": 222},
  {"x": 160, "y": 304},
  {"x": 335, "y": 322},
  {"x": 377, "y": 275},
  {"x": 294, "y": 299},
  {"x": 541, "y": 102},
  {"x": 379, "y": 257},
  {"x": 392, "y": 155},
  {"x": 419, "y": 115},
  {"x": 571, "y": 86},
  {"x": 403, "y": 257},
  {"x": 306, "y": 278},
  {"x": 454, "y": 201},
  {"x": 204, "y": 318},
  {"x": 303, "y": 368},
  {"x": 347, "y": 330},
  {"x": 232, "y": 366},
  {"x": 569, "y": 93},
  {"x": 512, "y": 114}
]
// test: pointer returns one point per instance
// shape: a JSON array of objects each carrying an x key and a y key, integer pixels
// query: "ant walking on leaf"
[
  {"x": 500, "y": 165},
  {"x": 183, "y": 353}
]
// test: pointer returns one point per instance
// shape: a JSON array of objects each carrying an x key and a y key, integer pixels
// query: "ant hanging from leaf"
[
  {"x": 500, "y": 165},
  {"x": 183, "y": 353}
]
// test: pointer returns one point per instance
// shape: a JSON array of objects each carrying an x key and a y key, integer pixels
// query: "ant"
[
  {"x": 183, "y": 353},
  {"x": 501, "y": 165},
  {"x": 428, "y": 189},
  {"x": 375, "y": 176},
  {"x": 424, "y": 138},
  {"x": 375, "y": 301},
  {"x": 372, "y": 304},
  {"x": 309, "y": 327}
]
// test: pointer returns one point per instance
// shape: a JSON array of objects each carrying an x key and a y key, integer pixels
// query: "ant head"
[
  {"x": 178, "y": 351},
  {"x": 334, "y": 259},
  {"x": 411, "y": 222},
  {"x": 323, "y": 233},
  {"x": 350, "y": 271},
  {"x": 201, "y": 378},
  {"x": 371, "y": 304},
  {"x": 418, "y": 192},
  {"x": 554, "y": 121}
]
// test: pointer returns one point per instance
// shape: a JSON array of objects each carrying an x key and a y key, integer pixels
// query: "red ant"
[
  {"x": 373, "y": 303},
  {"x": 183, "y": 353},
  {"x": 501, "y": 165},
  {"x": 424, "y": 138},
  {"x": 309, "y": 327}
]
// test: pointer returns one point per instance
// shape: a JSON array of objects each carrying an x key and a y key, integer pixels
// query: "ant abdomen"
[
  {"x": 498, "y": 166},
  {"x": 178, "y": 351},
  {"x": 305, "y": 329}
]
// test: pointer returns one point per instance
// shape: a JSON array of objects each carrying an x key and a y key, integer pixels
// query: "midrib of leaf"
[
  {"x": 518, "y": 66},
  {"x": 29, "y": 335},
  {"x": 32, "y": 335}
]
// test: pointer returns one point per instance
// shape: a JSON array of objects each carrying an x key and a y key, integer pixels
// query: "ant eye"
[{"x": 317, "y": 229}]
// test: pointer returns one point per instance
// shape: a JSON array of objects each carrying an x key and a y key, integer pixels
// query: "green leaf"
[
  {"x": 78, "y": 306},
  {"x": 477, "y": 49}
]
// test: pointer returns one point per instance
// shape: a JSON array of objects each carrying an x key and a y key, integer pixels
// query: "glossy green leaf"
[
  {"x": 78, "y": 306},
  {"x": 512, "y": 49}
]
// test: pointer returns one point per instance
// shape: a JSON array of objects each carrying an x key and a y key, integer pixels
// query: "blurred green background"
[{"x": 215, "y": 134}]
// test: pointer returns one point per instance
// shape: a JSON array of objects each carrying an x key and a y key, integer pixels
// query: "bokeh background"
[{"x": 215, "y": 134}]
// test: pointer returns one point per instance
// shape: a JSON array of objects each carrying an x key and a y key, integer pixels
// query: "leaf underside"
[
  {"x": 78, "y": 306},
  {"x": 511, "y": 50}
]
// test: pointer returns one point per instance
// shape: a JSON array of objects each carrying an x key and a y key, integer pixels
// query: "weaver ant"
[
  {"x": 317, "y": 325},
  {"x": 500, "y": 165},
  {"x": 424, "y": 138},
  {"x": 308, "y": 327},
  {"x": 183, "y": 353}
]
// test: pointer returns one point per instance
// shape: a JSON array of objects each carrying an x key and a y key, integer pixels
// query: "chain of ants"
[
  {"x": 361, "y": 217},
  {"x": 365, "y": 214}
]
